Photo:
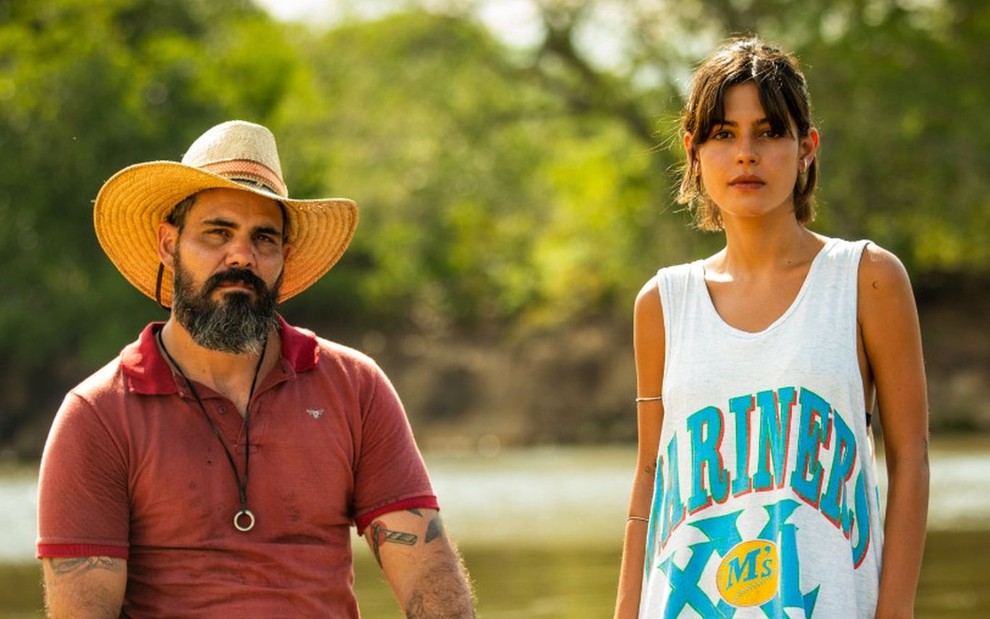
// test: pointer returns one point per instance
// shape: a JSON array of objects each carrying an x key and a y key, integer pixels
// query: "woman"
[{"x": 755, "y": 493}]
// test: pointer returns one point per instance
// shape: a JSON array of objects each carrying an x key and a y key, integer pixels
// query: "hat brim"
[{"x": 132, "y": 203}]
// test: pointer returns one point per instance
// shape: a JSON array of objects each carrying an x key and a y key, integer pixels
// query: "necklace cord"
[{"x": 241, "y": 483}]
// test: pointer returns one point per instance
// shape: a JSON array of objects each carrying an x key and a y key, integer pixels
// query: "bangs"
[
  {"x": 781, "y": 90},
  {"x": 779, "y": 114}
]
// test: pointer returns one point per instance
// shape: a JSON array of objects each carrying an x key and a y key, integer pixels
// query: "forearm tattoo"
[
  {"x": 441, "y": 587},
  {"x": 380, "y": 534},
  {"x": 61, "y": 567}
]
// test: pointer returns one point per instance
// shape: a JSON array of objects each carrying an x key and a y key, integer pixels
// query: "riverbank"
[
  {"x": 578, "y": 582},
  {"x": 541, "y": 531},
  {"x": 573, "y": 384}
]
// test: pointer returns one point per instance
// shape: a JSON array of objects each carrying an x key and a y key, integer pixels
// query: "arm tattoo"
[
  {"x": 434, "y": 529},
  {"x": 61, "y": 567},
  {"x": 380, "y": 535}
]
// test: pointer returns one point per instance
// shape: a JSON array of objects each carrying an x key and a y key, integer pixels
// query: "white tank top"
[{"x": 766, "y": 501}]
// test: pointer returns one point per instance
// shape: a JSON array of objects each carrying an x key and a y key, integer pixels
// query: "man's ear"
[{"x": 168, "y": 236}]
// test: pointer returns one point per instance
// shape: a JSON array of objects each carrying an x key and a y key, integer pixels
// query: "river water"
[{"x": 541, "y": 531}]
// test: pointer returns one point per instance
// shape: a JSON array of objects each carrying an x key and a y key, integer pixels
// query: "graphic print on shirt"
[{"x": 803, "y": 452}]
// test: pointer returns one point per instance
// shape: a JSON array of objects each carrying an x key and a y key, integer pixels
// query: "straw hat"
[{"x": 232, "y": 155}]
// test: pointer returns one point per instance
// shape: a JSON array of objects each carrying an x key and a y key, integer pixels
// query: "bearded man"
[{"x": 216, "y": 467}]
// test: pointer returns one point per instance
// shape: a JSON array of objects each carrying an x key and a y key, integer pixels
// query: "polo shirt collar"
[{"x": 148, "y": 372}]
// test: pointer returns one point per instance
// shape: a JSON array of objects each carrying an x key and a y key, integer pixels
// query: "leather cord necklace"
[{"x": 244, "y": 518}]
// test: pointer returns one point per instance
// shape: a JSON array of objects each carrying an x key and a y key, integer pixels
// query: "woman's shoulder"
[
  {"x": 878, "y": 265},
  {"x": 884, "y": 284}
]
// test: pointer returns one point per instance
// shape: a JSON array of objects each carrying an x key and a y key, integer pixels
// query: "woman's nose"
[{"x": 747, "y": 152}]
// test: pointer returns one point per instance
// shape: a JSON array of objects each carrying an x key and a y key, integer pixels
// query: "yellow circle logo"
[{"x": 749, "y": 574}]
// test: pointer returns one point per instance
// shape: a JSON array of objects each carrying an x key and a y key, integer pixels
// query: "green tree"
[
  {"x": 483, "y": 199},
  {"x": 87, "y": 88}
]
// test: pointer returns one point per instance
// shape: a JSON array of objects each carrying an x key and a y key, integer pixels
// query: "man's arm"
[
  {"x": 421, "y": 565},
  {"x": 84, "y": 587}
]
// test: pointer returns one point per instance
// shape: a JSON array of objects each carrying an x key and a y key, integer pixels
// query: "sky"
[{"x": 514, "y": 21}]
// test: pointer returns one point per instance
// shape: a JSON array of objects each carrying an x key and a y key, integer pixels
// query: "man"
[{"x": 215, "y": 467}]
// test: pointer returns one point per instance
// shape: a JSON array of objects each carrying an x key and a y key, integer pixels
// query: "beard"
[{"x": 234, "y": 324}]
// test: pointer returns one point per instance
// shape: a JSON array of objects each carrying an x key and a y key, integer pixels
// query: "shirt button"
[{"x": 221, "y": 409}]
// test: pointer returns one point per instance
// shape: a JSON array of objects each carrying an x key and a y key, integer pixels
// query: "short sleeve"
[
  {"x": 390, "y": 473},
  {"x": 82, "y": 487}
]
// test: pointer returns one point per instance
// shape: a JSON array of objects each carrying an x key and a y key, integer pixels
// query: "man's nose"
[{"x": 241, "y": 253}]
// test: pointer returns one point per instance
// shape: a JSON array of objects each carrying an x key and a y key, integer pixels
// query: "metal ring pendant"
[{"x": 239, "y": 517}]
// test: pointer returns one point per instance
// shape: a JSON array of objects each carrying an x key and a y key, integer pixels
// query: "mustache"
[{"x": 235, "y": 276}]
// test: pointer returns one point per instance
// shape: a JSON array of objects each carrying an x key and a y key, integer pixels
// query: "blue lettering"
[
  {"x": 746, "y": 570},
  {"x": 705, "y": 427},
  {"x": 723, "y": 534},
  {"x": 789, "y": 594},
  {"x": 863, "y": 521},
  {"x": 741, "y": 407},
  {"x": 775, "y": 425},
  {"x": 672, "y": 506},
  {"x": 834, "y": 504},
  {"x": 806, "y": 479}
]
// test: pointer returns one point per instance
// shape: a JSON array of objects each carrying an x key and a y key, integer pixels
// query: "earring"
[{"x": 803, "y": 166}]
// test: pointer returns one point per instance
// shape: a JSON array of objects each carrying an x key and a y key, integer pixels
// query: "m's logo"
[
  {"x": 750, "y": 573},
  {"x": 315, "y": 413}
]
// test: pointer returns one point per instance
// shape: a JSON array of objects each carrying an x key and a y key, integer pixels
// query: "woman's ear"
[
  {"x": 809, "y": 146},
  {"x": 689, "y": 150}
]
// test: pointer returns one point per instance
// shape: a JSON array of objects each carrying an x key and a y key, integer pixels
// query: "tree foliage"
[{"x": 499, "y": 186}]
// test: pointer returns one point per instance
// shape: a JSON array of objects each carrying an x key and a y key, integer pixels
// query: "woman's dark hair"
[{"x": 784, "y": 95}]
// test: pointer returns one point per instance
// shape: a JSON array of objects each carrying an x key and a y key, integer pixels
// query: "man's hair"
[
  {"x": 177, "y": 216},
  {"x": 783, "y": 93}
]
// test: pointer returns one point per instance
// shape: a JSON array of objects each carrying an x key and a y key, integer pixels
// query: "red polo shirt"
[{"x": 132, "y": 470}]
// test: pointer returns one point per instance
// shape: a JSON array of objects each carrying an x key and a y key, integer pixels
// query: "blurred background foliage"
[{"x": 511, "y": 194}]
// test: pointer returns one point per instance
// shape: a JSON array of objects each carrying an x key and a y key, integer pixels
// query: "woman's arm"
[
  {"x": 891, "y": 336},
  {"x": 648, "y": 341}
]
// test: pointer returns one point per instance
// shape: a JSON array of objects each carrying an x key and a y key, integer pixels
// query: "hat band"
[{"x": 241, "y": 170}]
